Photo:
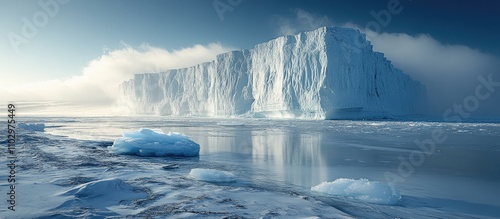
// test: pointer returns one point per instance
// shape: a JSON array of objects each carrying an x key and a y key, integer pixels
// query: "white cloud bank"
[{"x": 98, "y": 82}]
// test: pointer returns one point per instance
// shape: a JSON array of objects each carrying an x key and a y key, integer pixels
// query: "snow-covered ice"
[
  {"x": 211, "y": 175},
  {"x": 108, "y": 195},
  {"x": 155, "y": 143},
  {"x": 362, "y": 189},
  {"x": 37, "y": 127},
  {"x": 328, "y": 73},
  {"x": 65, "y": 172},
  {"x": 109, "y": 190}
]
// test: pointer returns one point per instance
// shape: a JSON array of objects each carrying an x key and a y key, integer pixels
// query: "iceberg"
[
  {"x": 362, "y": 189},
  {"x": 327, "y": 73},
  {"x": 155, "y": 143},
  {"x": 211, "y": 175}
]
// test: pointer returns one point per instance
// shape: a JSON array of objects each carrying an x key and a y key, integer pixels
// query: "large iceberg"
[{"x": 328, "y": 73}]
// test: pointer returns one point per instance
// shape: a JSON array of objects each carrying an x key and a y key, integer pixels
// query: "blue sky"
[{"x": 80, "y": 35}]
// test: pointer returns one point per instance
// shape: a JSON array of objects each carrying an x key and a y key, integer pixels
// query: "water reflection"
[
  {"x": 305, "y": 153},
  {"x": 297, "y": 155},
  {"x": 290, "y": 154},
  {"x": 294, "y": 156}
]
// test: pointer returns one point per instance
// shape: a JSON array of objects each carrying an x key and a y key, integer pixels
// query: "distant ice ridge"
[
  {"x": 37, "y": 127},
  {"x": 362, "y": 189},
  {"x": 211, "y": 175},
  {"x": 328, "y": 73},
  {"x": 155, "y": 143}
]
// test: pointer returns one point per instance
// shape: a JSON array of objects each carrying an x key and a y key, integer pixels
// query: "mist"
[
  {"x": 450, "y": 73},
  {"x": 94, "y": 90}
]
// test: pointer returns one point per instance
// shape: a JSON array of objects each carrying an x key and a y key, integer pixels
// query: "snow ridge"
[{"x": 327, "y": 73}]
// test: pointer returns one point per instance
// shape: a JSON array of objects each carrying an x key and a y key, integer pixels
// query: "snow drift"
[
  {"x": 108, "y": 198},
  {"x": 328, "y": 73},
  {"x": 155, "y": 143},
  {"x": 106, "y": 190},
  {"x": 362, "y": 189}
]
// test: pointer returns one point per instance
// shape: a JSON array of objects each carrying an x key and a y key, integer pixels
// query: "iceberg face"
[
  {"x": 328, "y": 73},
  {"x": 362, "y": 189},
  {"x": 154, "y": 143}
]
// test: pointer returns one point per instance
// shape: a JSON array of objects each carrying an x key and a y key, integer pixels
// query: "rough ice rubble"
[
  {"x": 211, "y": 175},
  {"x": 328, "y": 73},
  {"x": 37, "y": 127},
  {"x": 362, "y": 189},
  {"x": 155, "y": 143}
]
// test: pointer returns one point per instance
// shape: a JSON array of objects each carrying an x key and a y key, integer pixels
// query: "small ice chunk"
[
  {"x": 155, "y": 143},
  {"x": 362, "y": 189},
  {"x": 211, "y": 175},
  {"x": 37, "y": 127}
]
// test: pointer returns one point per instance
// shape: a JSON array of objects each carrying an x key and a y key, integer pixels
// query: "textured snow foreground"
[
  {"x": 155, "y": 143},
  {"x": 68, "y": 178},
  {"x": 328, "y": 73},
  {"x": 363, "y": 189},
  {"x": 271, "y": 166}
]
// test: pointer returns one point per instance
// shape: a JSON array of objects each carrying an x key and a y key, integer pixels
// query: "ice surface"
[
  {"x": 275, "y": 163},
  {"x": 211, "y": 175},
  {"x": 37, "y": 127},
  {"x": 155, "y": 143},
  {"x": 106, "y": 190},
  {"x": 362, "y": 189},
  {"x": 231, "y": 124},
  {"x": 328, "y": 73},
  {"x": 108, "y": 196}
]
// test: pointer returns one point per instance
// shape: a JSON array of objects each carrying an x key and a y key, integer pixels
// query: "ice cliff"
[{"x": 328, "y": 73}]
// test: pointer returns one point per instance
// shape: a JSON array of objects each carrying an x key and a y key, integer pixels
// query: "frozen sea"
[{"x": 68, "y": 170}]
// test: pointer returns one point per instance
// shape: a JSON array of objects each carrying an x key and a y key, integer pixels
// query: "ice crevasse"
[{"x": 327, "y": 73}]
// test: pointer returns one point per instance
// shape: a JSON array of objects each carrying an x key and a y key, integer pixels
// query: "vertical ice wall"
[{"x": 328, "y": 73}]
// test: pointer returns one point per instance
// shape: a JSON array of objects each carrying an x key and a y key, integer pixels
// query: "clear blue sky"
[{"x": 82, "y": 29}]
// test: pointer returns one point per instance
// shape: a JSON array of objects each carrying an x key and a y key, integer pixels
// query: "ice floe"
[
  {"x": 211, "y": 175},
  {"x": 155, "y": 143},
  {"x": 362, "y": 189}
]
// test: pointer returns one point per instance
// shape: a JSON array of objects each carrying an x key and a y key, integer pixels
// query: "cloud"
[
  {"x": 99, "y": 80},
  {"x": 450, "y": 72},
  {"x": 424, "y": 57},
  {"x": 302, "y": 21}
]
